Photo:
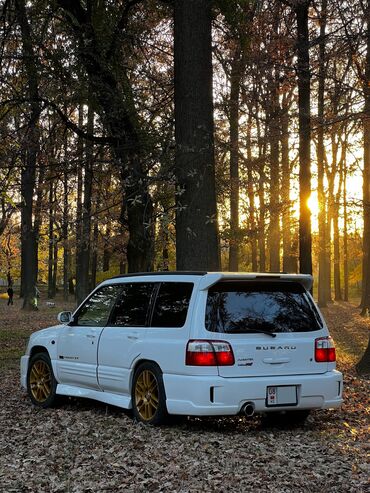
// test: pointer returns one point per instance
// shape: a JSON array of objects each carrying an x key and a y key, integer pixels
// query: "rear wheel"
[
  {"x": 41, "y": 383},
  {"x": 148, "y": 395}
]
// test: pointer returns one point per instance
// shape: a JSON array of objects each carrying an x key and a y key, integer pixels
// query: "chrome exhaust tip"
[{"x": 248, "y": 409}]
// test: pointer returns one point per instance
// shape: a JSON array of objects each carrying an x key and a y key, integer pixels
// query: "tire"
[
  {"x": 148, "y": 395},
  {"x": 41, "y": 383},
  {"x": 286, "y": 419}
]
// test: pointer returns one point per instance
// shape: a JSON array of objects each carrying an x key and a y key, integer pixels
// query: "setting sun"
[{"x": 313, "y": 204}]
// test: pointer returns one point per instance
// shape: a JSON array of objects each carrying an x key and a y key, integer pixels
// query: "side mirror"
[{"x": 65, "y": 317}]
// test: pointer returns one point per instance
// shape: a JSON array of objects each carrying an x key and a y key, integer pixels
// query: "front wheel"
[
  {"x": 41, "y": 383},
  {"x": 148, "y": 395}
]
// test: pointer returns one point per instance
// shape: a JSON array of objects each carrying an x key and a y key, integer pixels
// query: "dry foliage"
[{"x": 84, "y": 446}]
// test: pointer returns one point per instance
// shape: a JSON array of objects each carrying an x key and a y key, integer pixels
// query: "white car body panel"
[
  {"x": 119, "y": 347},
  {"x": 77, "y": 356},
  {"x": 191, "y": 395},
  {"x": 107, "y": 357}
]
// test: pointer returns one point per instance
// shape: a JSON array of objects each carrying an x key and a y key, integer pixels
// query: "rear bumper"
[{"x": 209, "y": 396}]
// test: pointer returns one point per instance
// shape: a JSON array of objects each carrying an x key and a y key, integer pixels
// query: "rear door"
[
  {"x": 271, "y": 326},
  {"x": 122, "y": 339}
]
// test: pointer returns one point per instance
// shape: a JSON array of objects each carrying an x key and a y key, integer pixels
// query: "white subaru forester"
[{"x": 190, "y": 343}]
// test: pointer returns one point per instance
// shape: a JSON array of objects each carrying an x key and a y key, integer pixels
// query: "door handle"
[
  {"x": 133, "y": 336},
  {"x": 90, "y": 336},
  {"x": 276, "y": 361}
]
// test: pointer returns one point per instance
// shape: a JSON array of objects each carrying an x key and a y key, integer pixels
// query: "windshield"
[{"x": 242, "y": 307}]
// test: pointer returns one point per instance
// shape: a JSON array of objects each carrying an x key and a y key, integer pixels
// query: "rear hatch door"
[{"x": 271, "y": 326}]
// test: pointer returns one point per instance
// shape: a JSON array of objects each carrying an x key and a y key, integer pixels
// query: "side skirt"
[{"x": 118, "y": 400}]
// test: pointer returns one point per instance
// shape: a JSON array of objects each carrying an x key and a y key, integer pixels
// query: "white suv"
[{"x": 190, "y": 343}]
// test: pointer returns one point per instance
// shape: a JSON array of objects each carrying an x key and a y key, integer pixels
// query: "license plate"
[{"x": 281, "y": 395}]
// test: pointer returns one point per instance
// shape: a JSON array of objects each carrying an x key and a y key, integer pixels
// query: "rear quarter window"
[
  {"x": 245, "y": 307},
  {"x": 171, "y": 305}
]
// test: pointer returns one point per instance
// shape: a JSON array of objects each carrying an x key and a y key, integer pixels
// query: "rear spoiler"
[{"x": 208, "y": 280}]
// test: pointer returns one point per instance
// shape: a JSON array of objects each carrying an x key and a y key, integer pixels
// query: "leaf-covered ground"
[{"x": 84, "y": 446}]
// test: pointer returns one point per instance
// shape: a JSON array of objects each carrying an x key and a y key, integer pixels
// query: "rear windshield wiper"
[{"x": 241, "y": 325}]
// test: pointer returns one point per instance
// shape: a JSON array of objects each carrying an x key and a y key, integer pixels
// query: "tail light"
[
  {"x": 324, "y": 350},
  {"x": 209, "y": 353}
]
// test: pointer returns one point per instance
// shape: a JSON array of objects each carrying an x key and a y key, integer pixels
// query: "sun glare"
[{"x": 313, "y": 204}]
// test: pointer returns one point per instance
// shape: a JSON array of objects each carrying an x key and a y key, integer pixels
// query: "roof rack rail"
[{"x": 162, "y": 273}]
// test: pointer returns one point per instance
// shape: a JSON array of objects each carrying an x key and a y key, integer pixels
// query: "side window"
[
  {"x": 171, "y": 306},
  {"x": 95, "y": 312},
  {"x": 132, "y": 306}
]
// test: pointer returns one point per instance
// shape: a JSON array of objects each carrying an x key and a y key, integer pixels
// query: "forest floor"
[{"x": 85, "y": 446}]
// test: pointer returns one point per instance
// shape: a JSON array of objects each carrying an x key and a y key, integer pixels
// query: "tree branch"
[
  {"x": 121, "y": 24},
  {"x": 74, "y": 10}
]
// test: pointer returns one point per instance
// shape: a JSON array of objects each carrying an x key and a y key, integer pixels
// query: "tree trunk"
[
  {"x": 261, "y": 221},
  {"x": 51, "y": 293},
  {"x": 337, "y": 283},
  {"x": 80, "y": 166},
  {"x": 65, "y": 230},
  {"x": 55, "y": 266},
  {"x": 197, "y": 245},
  {"x": 236, "y": 75},
  {"x": 285, "y": 189},
  {"x": 305, "y": 240},
  {"x": 107, "y": 249},
  {"x": 94, "y": 251},
  {"x": 345, "y": 237},
  {"x": 363, "y": 366},
  {"x": 322, "y": 287},
  {"x": 274, "y": 137},
  {"x": 83, "y": 262},
  {"x": 337, "y": 280},
  {"x": 328, "y": 238},
  {"x": 251, "y": 199},
  {"x": 28, "y": 173}
]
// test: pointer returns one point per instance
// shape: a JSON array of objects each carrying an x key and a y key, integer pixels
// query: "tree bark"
[
  {"x": 337, "y": 260},
  {"x": 51, "y": 292},
  {"x": 274, "y": 138},
  {"x": 304, "y": 94},
  {"x": 345, "y": 237},
  {"x": 251, "y": 198},
  {"x": 28, "y": 173},
  {"x": 261, "y": 220},
  {"x": 322, "y": 287},
  {"x": 197, "y": 246},
  {"x": 236, "y": 75},
  {"x": 363, "y": 366},
  {"x": 80, "y": 165},
  {"x": 94, "y": 254},
  {"x": 285, "y": 189},
  {"x": 337, "y": 283},
  {"x": 107, "y": 249},
  {"x": 65, "y": 220},
  {"x": 261, "y": 197},
  {"x": 83, "y": 262}
]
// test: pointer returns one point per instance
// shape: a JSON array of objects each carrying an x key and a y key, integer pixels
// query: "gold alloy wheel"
[
  {"x": 40, "y": 381},
  {"x": 146, "y": 395}
]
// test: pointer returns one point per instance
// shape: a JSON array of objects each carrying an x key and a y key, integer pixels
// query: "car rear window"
[
  {"x": 171, "y": 306},
  {"x": 247, "y": 307}
]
